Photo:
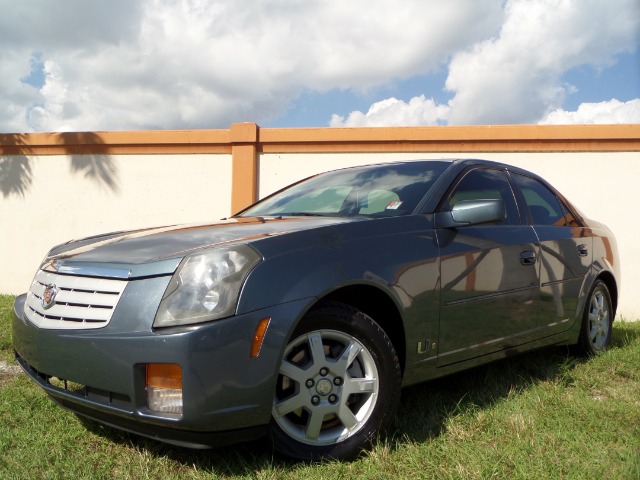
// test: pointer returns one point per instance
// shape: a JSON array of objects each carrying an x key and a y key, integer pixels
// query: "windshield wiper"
[{"x": 310, "y": 214}]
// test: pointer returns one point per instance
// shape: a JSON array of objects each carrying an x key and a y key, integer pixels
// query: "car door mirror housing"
[{"x": 471, "y": 212}]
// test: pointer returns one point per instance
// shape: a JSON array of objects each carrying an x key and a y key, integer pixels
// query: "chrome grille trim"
[{"x": 81, "y": 302}]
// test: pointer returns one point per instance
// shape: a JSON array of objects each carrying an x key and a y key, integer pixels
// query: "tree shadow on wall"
[
  {"x": 15, "y": 175},
  {"x": 88, "y": 154}
]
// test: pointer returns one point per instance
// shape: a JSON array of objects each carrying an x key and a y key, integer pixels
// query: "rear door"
[
  {"x": 566, "y": 253},
  {"x": 489, "y": 275}
]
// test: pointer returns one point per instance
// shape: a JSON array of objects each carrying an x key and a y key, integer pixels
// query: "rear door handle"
[
  {"x": 583, "y": 250},
  {"x": 528, "y": 258}
]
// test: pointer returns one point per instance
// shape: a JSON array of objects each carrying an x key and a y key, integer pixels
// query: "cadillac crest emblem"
[{"x": 49, "y": 297}]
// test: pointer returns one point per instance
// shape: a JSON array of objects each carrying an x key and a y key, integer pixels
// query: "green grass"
[
  {"x": 544, "y": 414},
  {"x": 6, "y": 309}
]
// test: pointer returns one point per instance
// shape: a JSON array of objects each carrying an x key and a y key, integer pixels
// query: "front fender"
[{"x": 306, "y": 265}]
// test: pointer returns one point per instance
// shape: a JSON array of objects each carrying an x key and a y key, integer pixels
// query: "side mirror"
[{"x": 471, "y": 212}]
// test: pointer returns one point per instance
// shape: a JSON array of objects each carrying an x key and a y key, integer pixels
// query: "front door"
[{"x": 489, "y": 275}]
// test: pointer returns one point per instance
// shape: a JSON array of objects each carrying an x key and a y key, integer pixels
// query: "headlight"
[{"x": 206, "y": 286}]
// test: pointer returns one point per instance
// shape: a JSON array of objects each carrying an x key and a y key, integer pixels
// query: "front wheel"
[
  {"x": 338, "y": 385},
  {"x": 597, "y": 320}
]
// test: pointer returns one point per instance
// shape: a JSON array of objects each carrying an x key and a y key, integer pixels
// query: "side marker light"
[{"x": 258, "y": 336}]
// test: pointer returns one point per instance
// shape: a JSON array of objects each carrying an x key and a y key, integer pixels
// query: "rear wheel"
[
  {"x": 597, "y": 320},
  {"x": 338, "y": 385}
]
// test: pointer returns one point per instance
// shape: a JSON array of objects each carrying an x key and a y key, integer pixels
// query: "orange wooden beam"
[
  {"x": 497, "y": 138},
  {"x": 244, "y": 182},
  {"x": 133, "y": 142}
]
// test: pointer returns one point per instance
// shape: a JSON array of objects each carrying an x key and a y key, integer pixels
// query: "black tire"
[
  {"x": 597, "y": 321},
  {"x": 338, "y": 387}
]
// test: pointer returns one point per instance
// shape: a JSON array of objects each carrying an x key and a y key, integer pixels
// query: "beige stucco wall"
[
  {"x": 601, "y": 184},
  {"x": 76, "y": 196}
]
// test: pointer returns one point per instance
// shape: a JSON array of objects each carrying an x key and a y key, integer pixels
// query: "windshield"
[{"x": 378, "y": 191}]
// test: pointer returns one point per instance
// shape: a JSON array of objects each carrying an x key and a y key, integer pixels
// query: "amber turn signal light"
[
  {"x": 164, "y": 387},
  {"x": 258, "y": 336}
]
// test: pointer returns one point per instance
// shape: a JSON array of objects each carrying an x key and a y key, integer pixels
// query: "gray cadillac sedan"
[{"x": 301, "y": 317}]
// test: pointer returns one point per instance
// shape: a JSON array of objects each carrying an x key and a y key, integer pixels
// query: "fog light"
[{"x": 164, "y": 387}]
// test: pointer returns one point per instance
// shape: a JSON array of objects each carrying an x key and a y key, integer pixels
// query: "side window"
[
  {"x": 571, "y": 219},
  {"x": 487, "y": 184},
  {"x": 543, "y": 204}
]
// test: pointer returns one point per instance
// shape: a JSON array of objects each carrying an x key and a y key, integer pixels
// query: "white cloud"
[
  {"x": 516, "y": 76},
  {"x": 72, "y": 24},
  {"x": 16, "y": 96},
  {"x": 208, "y": 63},
  {"x": 204, "y": 64},
  {"x": 611, "y": 112},
  {"x": 394, "y": 112}
]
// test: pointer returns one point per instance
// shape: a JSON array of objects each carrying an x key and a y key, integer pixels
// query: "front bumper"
[
  {"x": 227, "y": 396},
  {"x": 91, "y": 406}
]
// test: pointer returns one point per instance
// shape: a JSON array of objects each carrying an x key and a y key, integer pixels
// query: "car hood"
[{"x": 158, "y": 251}]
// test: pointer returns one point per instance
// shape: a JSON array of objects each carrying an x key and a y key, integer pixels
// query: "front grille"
[{"x": 80, "y": 302}]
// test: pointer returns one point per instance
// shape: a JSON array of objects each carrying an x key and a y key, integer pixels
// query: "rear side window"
[
  {"x": 543, "y": 204},
  {"x": 486, "y": 184}
]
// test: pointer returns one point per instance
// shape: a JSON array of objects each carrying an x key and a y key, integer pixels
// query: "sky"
[{"x": 75, "y": 65}]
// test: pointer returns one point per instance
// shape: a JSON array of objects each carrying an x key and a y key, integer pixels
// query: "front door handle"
[
  {"x": 583, "y": 250},
  {"x": 528, "y": 258}
]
